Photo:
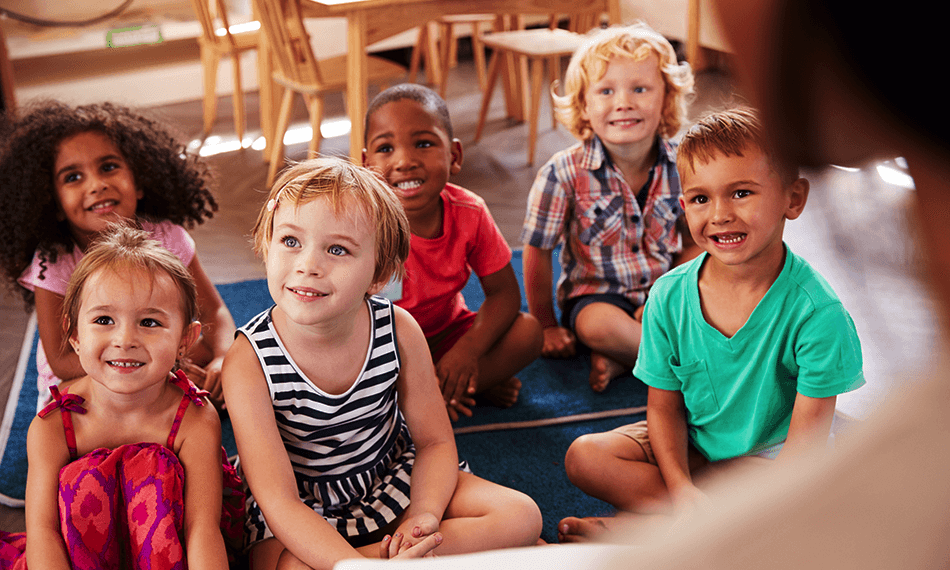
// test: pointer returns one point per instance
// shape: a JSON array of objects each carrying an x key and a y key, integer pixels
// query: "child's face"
[
  {"x": 130, "y": 329},
  {"x": 736, "y": 207},
  {"x": 624, "y": 107},
  {"x": 94, "y": 185},
  {"x": 320, "y": 265},
  {"x": 408, "y": 146}
]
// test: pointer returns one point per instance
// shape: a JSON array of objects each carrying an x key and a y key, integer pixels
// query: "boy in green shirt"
[{"x": 745, "y": 348}]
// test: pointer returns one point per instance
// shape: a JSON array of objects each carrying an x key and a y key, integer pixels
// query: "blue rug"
[{"x": 521, "y": 447}]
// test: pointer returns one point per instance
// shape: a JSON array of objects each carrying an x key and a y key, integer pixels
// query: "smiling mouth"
[
  {"x": 104, "y": 205},
  {"x": 626, "y": 122},
  {"x": 125, "y": 363},
  {"x": 729, "y": 239},
  {"x": 304, "y": 293},
  {"x": 409, "y": 184}
]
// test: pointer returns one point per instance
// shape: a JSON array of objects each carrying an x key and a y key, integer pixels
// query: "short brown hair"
[
  {"x": 728, "y": 133},
  {"x": 337, "y": 179},
  {"x": 124, "y": 246},
  {"x": 589, "y": 63}
]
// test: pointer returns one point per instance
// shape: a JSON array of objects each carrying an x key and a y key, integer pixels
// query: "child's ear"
[
  {"x": 456, "y": 166},
  {"x": 798, "y": 195},
  {"x": 363, "y": 157},
  {"x": 189, "y": 336}
]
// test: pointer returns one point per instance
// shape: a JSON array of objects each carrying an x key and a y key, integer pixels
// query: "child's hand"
[
  {"x": 559, "y": 342},
  {"x": 213, "y": 380},
  {"x": 458, "y": 378},
  {"x": 638, "y": 314},
  {"x": 417, "y": 527},
  {"x": 395, "y": 547}
]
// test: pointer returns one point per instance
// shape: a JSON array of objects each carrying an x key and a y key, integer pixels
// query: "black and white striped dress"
[{"x": 351, "y": 453}]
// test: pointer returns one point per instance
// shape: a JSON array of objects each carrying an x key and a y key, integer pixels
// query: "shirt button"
[
  {"x": 636, "y": 249},
  {"x": 635, "y": 219},
  {"x": 643, "y": 281},
  {"x": 598, "y": 211}
]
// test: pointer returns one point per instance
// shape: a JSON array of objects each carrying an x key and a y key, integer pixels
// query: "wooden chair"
[
  {"x": 539, "y": 47},
  {"x": 447, "y": 50},
  {"x": 297, "y": 70},
  {"x": 214, "y": 43}
]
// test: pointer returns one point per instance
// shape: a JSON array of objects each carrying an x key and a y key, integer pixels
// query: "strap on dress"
[{"x": 68, "y": 403}]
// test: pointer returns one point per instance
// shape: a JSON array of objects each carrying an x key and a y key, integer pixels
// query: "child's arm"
[
  {"x": 200, "y": 456},
  {"x": 49, "y": 322},
  {"x": 666, "y": 418},
  {"x": 559, "y": 342},
  {"x": 266, "y": 466},
  {"x": 810, "y": 425},
  {"x": 435, "y": 472},
  {"x": 458, "y": 368},
  {"x": 217, "y": 327},
  {"x": 47, "y": 454}
]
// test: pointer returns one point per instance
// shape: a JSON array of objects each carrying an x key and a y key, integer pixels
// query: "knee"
[
  {"x": 532, "y": 332},
  {"x": 584, "y": 459},
  {"x": 523, "y": 509}
]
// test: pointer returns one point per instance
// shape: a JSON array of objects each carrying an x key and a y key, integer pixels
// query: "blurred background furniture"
[
  {"x": 7, "y": 99},
  {"x": 437, "y": 71},
  {"x": 296, "y": 69},
  {"x": 540, "y": 48},
  {"x": 216, "y": 42}
]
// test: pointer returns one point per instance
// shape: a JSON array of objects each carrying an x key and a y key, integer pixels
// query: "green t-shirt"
[{"x": 739, "y": 391}]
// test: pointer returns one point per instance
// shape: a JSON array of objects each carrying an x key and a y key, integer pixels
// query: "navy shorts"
[{"x": 572, "y": 307}]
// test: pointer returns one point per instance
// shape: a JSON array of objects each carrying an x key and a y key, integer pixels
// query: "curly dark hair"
[{"x": 174, "y": 183}]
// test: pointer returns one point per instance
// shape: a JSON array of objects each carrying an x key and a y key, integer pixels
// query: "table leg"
[{"x": 357, "y": 82}]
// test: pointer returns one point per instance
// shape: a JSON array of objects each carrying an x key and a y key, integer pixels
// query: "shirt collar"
[{"x": 595, "y": 155}]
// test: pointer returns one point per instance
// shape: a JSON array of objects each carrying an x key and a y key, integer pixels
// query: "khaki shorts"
[{"x": 697, "y": 461}]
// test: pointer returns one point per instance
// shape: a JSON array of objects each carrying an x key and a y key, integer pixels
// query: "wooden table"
[{"x": 369, "y": 21}]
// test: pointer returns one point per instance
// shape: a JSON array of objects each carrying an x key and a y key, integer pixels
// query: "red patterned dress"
[{"x": 124, "y": 507}]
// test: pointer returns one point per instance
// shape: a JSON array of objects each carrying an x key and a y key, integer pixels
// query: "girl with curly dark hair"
[{"x": 65, "y": 173}]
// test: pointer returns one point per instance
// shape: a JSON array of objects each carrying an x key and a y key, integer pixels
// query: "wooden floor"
[{"x": 854, "y": 230}]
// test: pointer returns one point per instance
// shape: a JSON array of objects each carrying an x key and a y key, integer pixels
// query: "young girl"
[
  {"x": 109, "y": 458},
  {"x": 66, "y": 172},
  {"x": 325, "y": 387}
]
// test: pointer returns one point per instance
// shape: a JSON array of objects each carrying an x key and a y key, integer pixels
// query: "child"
[
  {"x": 745, "y": 348},
  {"x": 325, "y": 387},
  {"x": 409, "y": 142},
  {"x": 126, "y": 467},
  {"x": 612, "y": 198},
  {"x": 67, "y": 172}
]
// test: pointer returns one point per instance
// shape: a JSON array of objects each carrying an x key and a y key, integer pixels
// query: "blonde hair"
[
  {"x": 336, "y": 179},
  {"x": 589, "y": 63},
  {"x": 728, "y": 133},
  {"x": 126, "y": 247}
]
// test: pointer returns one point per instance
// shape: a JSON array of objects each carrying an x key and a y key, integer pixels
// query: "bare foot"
[
  {"x": 588, "y": 529},
  {"x": 603, "y": 369},
  {"x": 504, "y": 394}
]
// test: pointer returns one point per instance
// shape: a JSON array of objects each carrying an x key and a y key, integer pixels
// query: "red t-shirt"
[{"x": 437, "y": 269}]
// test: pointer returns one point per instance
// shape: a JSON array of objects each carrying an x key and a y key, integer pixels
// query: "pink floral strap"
[
  {"x": 67, "y": 403},
  {"x": 192, "y": 395}
]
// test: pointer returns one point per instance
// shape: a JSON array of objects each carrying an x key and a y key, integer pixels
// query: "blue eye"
[
  {"x": 607, "y": 91},
  {"x": 640, "y": 90},
  {"x": 103, "y": 320},
  {"x": 337, "y": 250},
  {"x": 290, "y": 241}
]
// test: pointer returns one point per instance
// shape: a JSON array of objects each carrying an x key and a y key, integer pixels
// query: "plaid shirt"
[{"x": 611, "y": 246}]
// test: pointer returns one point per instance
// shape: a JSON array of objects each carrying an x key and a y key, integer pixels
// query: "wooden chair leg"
[
  {"x": 537, "y": 75},
  {"x": 433, "y": 67},
  {"x": 447, "y": 39},
  {"x": 478, "y": 51},
  {"x": 315, "y": 108},
  {"x": 554, "y": 72},
  {"x": 486, "y": 95},
  {"x": 277, "y": 145},
  {"x": 209, "y": 68},
  {"x": 237, "y": 99},
  {"x": 417, "y": 52}
]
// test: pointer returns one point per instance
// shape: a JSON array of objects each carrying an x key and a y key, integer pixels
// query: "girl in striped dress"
[{"x": 325, "y": 388}]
